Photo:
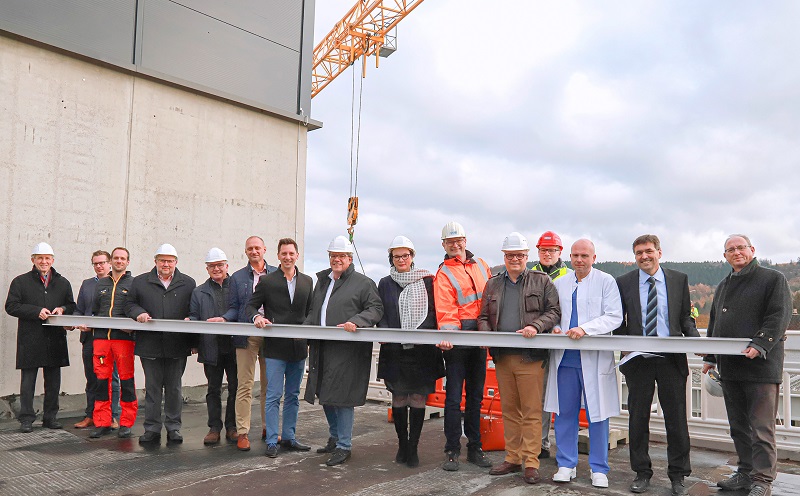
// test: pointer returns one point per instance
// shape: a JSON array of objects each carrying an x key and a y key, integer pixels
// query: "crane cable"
[{"x": 355, "y": 138}]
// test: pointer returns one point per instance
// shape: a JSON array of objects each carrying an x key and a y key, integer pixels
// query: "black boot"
[
  {"x": 400, "y": 416},
  {"x": 416, "y": 417}
]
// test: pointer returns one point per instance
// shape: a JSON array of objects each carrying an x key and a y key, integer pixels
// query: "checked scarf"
[{"x": 413, "y": 301}]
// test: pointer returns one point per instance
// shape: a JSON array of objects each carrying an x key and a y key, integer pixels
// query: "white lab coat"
[{"x": 599, "y": 312}]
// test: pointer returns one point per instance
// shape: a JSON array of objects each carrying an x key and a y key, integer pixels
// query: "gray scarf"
[{"x": 413, "y": 301}]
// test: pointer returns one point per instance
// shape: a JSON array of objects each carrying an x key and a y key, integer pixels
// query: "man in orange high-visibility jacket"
[{"x": 457, "y": 290}]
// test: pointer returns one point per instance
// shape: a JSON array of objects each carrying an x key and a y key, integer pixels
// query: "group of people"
[{"x": 526, "y": 298}]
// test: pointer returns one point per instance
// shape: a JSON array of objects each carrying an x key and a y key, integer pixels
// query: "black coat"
[
  {"x": 338, "y": 371},
  {"x": 681, "y": 322},
  {"x": 39, "y": 345},
  {"x": 273, "y": 293},
  {"x": 202, "y": 307},
  {"x": 85, "y": 302},
  {"x": 428, "y": 358},
  {"x": 754, "y": 303},
  {"x": 147, "y": 295}
]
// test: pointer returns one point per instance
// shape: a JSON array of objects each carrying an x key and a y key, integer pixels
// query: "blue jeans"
[
  {"x": 340, "y": 424},
  {"x": 279, "y": 371},
  {"x": 570, "y": 392}
]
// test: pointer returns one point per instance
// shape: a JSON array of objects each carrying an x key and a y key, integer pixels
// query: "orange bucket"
[{"x": 492, "y": 437}]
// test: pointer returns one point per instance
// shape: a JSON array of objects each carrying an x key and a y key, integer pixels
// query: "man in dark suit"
[
  {"x": 286, "y": 297},
  {"x": 655, "y": 302}
]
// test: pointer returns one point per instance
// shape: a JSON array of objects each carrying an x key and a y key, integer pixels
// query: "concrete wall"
[{"x": 92, "y": 158}]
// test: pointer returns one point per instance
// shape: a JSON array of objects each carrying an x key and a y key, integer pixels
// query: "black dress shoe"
[
  {"x": 174, "y": 437},
  {"x": 678, "y": 488},
  {"x": 26, "y": 427},
  {"x": 338, "y": 457},
  {"x": 52, "y": 424},
  {"x": 545, "y": 453},
  {"x": 330, "y": 447},
  {"x": 640, "y": 484},
  {"x": 294, "y": 445},
  {"x": 150, "y": 437},
  {"x": 100, "y": 432},
  {"x": 124, "y": 432}
]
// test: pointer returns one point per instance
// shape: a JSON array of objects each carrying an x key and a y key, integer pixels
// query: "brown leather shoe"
[
  {"x": 211, "y": 438},
  {"x": 231, "y": 435},
  {"x": 531, "y": 475},
  {"x": 243, "y": 443},
  {"x": 114, "y": 424},
  {"x": 84, "y": 424},
  {"x": 505, "y": 468}
]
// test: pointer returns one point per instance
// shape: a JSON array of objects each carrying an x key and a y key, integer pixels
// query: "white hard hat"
[
  {"x": 515, "y": 242},
  {"x": 401, "y": 242},
  {"x": 340, "y": 244},
  {"x": 42, "y": 249},
  {"x": 167, "y": 249},
  {"x": 713, "y": 383},
  {"x": 216, "y": 255},
  {"x": 453, "y": 230}
]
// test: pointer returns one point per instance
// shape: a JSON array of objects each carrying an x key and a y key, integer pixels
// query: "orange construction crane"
[{"x": 361, "y": 32}]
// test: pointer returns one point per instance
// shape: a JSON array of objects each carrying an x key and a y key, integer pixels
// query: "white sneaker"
[
  {"x": 598, "y": 479},
  {"x": 565, "y": 474}
]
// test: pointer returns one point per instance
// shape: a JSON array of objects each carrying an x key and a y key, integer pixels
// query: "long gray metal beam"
[{"x": 720, "y": 346}]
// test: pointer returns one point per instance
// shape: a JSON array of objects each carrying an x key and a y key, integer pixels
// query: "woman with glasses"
[{"x": 409, "y": 371}]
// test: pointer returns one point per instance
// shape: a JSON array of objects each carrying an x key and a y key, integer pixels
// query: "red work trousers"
[{"x": 107, "y": 352}]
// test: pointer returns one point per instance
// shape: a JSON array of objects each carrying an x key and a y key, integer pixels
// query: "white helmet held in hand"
[
  {"x": 515, "y": 242},
  {"x": 216, "y": 255},
  {"x": 167, "y": 249},
  {"x": 453, "y": 230},
  {"x": 340, "y": 244},
  {"x": 401, "y": 242},
  {"x": 42, "y": 249}
]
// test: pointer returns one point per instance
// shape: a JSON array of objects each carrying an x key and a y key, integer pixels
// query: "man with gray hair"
[{"x": 752, "y": 302}]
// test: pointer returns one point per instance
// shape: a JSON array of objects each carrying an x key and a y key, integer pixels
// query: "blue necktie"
[
  {"x": 651, "y": 315},
  {"x": 573, "y": 318}
]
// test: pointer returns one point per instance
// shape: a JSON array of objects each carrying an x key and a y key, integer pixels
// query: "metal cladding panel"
[
  {"x": 100, "y": 29},
  {"x": 191, "y": 46},
  {"x": 275, "y": 20}
]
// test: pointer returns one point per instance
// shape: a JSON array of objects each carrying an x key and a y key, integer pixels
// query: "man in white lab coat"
[{"x": 590, "y": 304}]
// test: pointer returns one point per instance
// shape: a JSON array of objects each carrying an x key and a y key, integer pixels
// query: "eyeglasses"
[
  {"x": 340, "y": 256},
  {"x": 401, "y": 257},
  {"x": 733, "y": 249},
  {"x": 98, "y": 264},
  {"x": 549, "y": 250},
  {"x": 455, "y": 241},
  {"x": 166, "y": 261},
  {"x": 516, "y": 256},
  {"x": 212, "y": 266}
]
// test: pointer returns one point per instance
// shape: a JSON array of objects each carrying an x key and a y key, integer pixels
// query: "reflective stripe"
[
  {"x": 553, "y": 275},
  {"x": 454, "y": 282}
]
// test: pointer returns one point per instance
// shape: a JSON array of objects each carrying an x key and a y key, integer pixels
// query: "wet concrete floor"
[{"x": 67, "y": 462}]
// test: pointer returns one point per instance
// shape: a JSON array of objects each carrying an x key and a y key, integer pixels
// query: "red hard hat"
[{"x": 549, "y": 238}]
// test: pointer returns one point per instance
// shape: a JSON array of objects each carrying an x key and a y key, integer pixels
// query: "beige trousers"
[
  {"x": 521, "y": 384},
  {"x": 245, "y": 371}
]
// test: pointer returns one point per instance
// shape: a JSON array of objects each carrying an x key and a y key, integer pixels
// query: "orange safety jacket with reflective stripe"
[{"x": 458, "y": 290}]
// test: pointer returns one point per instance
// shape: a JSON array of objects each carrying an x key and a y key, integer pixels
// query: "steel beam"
[{"x": 720, "y": 346}]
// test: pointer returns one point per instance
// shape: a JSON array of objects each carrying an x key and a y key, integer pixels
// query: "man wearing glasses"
[
  {"x": 753, "y": 302},
  {"x": 524, "y": 302},
  {"x": 550, "y": 263},
  {"x": 101, "y": 264},
  {"x": 162, "y": 293},
  {"x": 457, "y": 290}
]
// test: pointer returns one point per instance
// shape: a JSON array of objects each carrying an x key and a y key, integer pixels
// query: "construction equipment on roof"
[{"x": 362, "y": 32}]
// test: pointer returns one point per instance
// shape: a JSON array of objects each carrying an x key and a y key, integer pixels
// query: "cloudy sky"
[{"x": 600, "y": 120}]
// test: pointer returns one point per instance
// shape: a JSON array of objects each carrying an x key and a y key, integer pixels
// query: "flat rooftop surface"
[{"x": 67, "y": 462}]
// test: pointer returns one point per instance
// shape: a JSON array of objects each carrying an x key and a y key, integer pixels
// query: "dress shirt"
[{"x": 324, "y": 310}]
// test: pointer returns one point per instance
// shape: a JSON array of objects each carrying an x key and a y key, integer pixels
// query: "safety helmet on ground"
[
  {"x": 42, "y": 249},
  {"x": 549, "y": 238},
  {"x": 216, "y": 255},
  {"x": 713, "y": 383},
  {"x": 515, "y": 242},
  {"x": 401, "y": 242},
  {"x": 340, "y": 244},
  {"x": 453, "y": 230},
  {"x": 166, "y": 249}
]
